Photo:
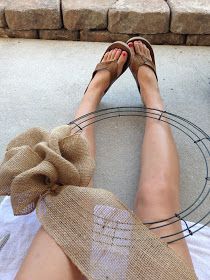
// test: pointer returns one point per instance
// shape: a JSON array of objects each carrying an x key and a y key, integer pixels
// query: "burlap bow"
[{"x": 38, "y": 162}]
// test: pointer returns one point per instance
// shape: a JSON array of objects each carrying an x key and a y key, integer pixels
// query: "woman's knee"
[{"x": 156, "y": 193}]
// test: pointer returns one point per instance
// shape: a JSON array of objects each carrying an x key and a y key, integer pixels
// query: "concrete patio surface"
[{"x": 42, "y": 83}]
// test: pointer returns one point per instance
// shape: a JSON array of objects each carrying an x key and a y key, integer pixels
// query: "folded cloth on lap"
[{"x": 23, "y": 228}]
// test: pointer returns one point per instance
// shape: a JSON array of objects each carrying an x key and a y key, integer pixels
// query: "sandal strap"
[
  {"x": 110, "y": 66},
  {"x": 140, "y": 60}
]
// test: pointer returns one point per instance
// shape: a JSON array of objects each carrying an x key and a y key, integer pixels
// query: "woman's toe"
[
  {"x": 113, "y": 53},
  {"x": 105, "y": 58},
  {"x": 131, "y": 46},
  {"x": 109, "y": 56},
  {"x": 121, "y": 61},
  {"x": 141, "y": 48},
  {"x": 148, "y": 54},
  {"x": 136, "y": 46},
  {"x": 145, "y": 50},
  {"x": 117, "y": 54}
]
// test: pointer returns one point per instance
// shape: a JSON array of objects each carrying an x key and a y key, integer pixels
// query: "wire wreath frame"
[{"x": 193, "y": 132}]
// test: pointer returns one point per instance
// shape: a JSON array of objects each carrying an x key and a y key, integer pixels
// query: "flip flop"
[
  {"x": 111, "y": 65},
  {"x": 140, "y": 60}
]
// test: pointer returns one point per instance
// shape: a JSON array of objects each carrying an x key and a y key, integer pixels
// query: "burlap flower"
[{"x": 38, "y": 162}]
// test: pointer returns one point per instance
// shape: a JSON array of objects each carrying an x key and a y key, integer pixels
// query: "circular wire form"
[{"x": 200, "y": 139}]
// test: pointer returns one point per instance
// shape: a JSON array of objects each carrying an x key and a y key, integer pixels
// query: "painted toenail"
[{"x": 124, "y": 53}]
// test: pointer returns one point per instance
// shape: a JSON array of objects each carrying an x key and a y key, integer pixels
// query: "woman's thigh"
[{"x": 46, "y": 260}]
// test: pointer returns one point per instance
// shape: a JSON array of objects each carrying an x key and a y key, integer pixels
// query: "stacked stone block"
[{"x": 160, "y": 21}]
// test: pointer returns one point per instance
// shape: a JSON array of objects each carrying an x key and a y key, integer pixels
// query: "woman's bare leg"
[
  {"x": 157, "y": 197},
  {"x": 45, "y": 259}
]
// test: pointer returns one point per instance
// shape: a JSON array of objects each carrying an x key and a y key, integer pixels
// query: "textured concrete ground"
[{"x": 42, "y": 83}]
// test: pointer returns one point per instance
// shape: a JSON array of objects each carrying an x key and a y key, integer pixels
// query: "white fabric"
[{"x": 23, "y": 228}]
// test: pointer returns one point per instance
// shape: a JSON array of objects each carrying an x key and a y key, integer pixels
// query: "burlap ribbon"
[{"x": 104, "y": 239}]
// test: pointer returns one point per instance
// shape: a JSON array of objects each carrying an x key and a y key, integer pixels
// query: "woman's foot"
[
  {"x": 146, "y": 78},
  {"x": 101, "y": 80}
]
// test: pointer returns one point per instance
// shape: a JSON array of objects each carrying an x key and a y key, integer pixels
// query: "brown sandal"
[
  {"x": 140, "y": 60},
  {"x": 111, "y": 65}
]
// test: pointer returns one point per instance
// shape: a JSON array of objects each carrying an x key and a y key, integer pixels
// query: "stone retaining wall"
[{"x": 161, "y": 21}]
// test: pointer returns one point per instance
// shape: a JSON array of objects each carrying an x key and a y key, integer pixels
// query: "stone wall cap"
[
  {"x": 31, "y": 4},
  {"x": 190, "y": 6},
  {"x": 142, "y": 5},
  {"x": 87, "y": 4}
]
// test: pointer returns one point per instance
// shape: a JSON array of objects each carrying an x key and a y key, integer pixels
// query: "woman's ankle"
[
  {"x": 155, "y": 105},
  {"x": 147, "y": 79},
  {"x": 152, "y": 99}
]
